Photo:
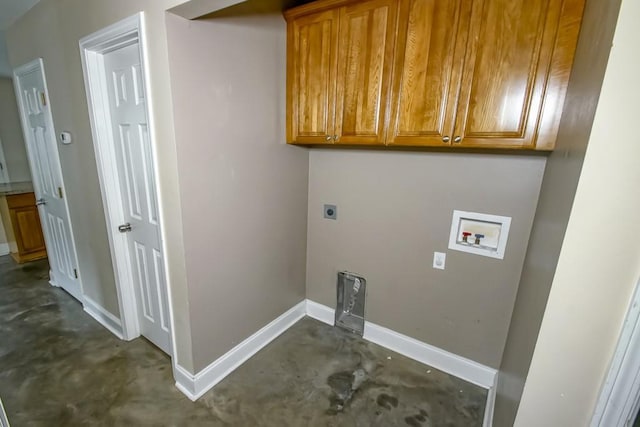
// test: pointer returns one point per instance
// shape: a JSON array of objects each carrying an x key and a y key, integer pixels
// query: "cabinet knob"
[
  {"x": 336, "y": 138},
  {"x": 328, "y": 138},
  {"x": 445, "y": 138},
  {"x": 457, "y": 139}
]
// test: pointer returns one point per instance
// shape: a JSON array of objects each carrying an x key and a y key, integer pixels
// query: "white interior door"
[
  {"x": 46, "y": 172},
  {"x": 134, "y": 162}
]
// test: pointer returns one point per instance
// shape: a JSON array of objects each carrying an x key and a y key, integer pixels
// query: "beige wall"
[
  {"x": 599, "y": 262},
  {"x": 11, "y": 138},
  {"x": 554, "y": 206},
  {"x": 394, "y": 211},
  {"x": 244, "y": 191},
  {"x": 51, "y": 30}
]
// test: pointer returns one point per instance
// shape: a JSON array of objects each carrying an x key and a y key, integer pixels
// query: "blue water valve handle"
[{"x": 478, "y": 237}]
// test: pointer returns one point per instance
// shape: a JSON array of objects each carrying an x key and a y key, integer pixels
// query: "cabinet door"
[
  {"x": 311, "y": 79},
  {"x": 510, "y": 48},
  {"x": 365, "y": 42},
  {"x": 25, "y": 223},
  {"x": 427, "y": 71}
]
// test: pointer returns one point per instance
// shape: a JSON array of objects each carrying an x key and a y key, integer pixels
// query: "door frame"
[
  {"x": 4, "y": 171},
  {"x": 18, "y": 72},
  {"x": 619, "y": 398},
  {"x": 92, "y": 48}
]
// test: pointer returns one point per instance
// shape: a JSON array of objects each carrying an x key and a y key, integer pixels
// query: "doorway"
[
  {"x": 48, "y": 185},
  {"x": 117, "y": 93},
  {"x": 619, "y": 401}
]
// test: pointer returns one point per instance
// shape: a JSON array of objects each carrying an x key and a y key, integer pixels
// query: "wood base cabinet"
[
  {"x": 411, "y": 73},
  {"x": 22, "y": 225}
]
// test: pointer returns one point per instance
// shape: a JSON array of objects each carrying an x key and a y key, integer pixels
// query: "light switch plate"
[{"x": 439, "y": 260}]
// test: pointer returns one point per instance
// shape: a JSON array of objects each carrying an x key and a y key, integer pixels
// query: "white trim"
[
  {"x": 194, "y": 386},
  {"x": 91, "y": 48},
  {"x": 320, "y": 312},
  {"x": 4, "y": 420},
  {"x": 491, "y": 404},
  {"x": 445, "y": 361},
  {"x": 129, "y": 30},
  {"x": 4, "y": 249},
  {"x": 4, "y": 171},
  {"x": 18, "y": 72},
  {"x": 102, "y": 316},
  {"x": 618, "y": 401}
]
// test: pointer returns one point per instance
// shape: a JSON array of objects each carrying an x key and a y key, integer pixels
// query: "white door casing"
[
  {"x": 619, "y": 399},
  {"x": 117, "y": 93},
  {"x": 44, "y": 161},
  {"x": 4, "y": 172}
]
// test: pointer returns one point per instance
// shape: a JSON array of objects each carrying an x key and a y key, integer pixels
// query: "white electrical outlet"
[{"x": 439, "y": 259}]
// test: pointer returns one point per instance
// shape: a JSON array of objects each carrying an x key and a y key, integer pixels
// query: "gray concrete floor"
[{"x": 58, "y": 367}]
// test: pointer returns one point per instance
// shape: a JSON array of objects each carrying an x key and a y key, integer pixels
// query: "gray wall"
[
  {"x": 555, "y": 204},
  {"x": 15, "y": 152},
  {"x": 394, "y": 211},
  {"x": 51, "y": 30},
  {"x": 243, "y": 190}
]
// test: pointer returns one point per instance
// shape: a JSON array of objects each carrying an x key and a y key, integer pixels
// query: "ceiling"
[{"x": 10, "y": 11}]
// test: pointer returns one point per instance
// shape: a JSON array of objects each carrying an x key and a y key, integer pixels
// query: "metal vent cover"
[{"x": 351, "y": 292}]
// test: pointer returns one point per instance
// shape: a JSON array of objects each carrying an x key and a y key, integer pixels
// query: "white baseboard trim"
[
  {"x": 4, "y": 250},
  {"x": 491, "y": 404},
  {"x": 194, "y": 386},
  {"x": 443, "y": 360},
  {"x": 102, "y": 316},
  {"x": 320, "y": 312}
]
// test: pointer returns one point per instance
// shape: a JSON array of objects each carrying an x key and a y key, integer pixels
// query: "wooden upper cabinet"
[
  {"x": 339, "y": 71},
  {"x": 365, "y": 41},
  {"x": 507, "y": 85},
  {"x": 311, "y": 77},
  {"x": 427, "y": 71},
  {"x": 459, "y": 73}
]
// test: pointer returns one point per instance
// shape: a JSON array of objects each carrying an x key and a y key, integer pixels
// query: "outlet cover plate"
[
  {"x": 330, "y": 212},
  {"x": 439, "y": 260}
]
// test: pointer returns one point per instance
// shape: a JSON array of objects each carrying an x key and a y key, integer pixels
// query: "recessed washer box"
[{"x": 479, "y": 233}]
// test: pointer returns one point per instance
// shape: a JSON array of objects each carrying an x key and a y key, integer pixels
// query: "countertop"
[{"x": 16, "y": 188}]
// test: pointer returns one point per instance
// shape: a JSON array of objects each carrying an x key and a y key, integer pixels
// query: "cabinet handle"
[
  {"x": 457, "y": 139},
  {"x": 445, "y": 139},
  {"x": 328, "y": 138},
  {"x": 336, "y": 138}
]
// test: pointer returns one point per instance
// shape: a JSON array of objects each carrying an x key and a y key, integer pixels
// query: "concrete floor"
[{"x": 58, "y": 367}]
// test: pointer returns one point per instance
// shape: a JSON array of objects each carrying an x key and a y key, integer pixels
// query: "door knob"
[
  {"x": 41, "y": 201},
  {"x": 124, "y": 228}
]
